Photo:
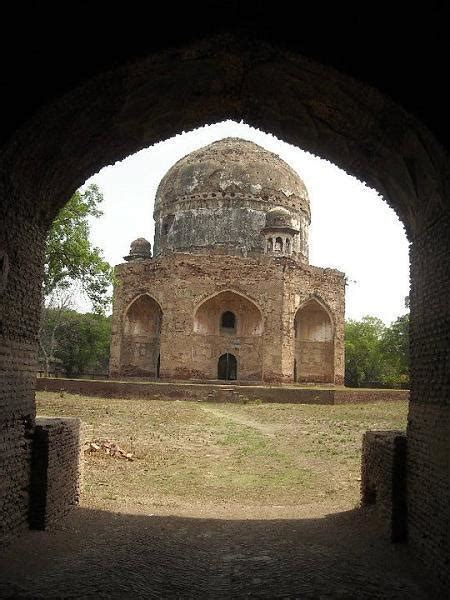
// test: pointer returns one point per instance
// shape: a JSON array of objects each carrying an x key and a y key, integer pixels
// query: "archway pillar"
[
  {"x": 428, "y": 467},
  {"x": 21, "y": 271}
]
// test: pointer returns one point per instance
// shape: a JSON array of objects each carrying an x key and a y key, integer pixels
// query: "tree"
[
  {"x": 70, "y": 257},
  {"x": 79, "y": 342},
  {"x": 363, "y": 356},
  {"x": 53, "y": 318},
  {"x": 71, "y": 260},
  {"x": 395, "y": 350},
  {"x": 376, "y": 354}
]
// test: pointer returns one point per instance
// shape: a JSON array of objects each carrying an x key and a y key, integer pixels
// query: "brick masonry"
[
  {"x": 211, "y": 393},
  {"x": 136, "y": 103},
  {"x": 276, "y": 287},
  {"x": 55, "y": 470},
  {"x": 383, "y": 479}
]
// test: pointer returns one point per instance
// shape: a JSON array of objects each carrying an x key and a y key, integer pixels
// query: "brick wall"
[
  {"x": 20, "y": 295},
  {"x": 275, "y": 288},
  {"x": 429, "y": 411},
  {"x": 131, "y": 107},
  {"x": 55, "y": 470},
  {"x": 383, "y": 479},
  {"x": 212, "y": 392}
]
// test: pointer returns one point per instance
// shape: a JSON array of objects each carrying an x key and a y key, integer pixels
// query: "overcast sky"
[{"x": 352, "y": 228}]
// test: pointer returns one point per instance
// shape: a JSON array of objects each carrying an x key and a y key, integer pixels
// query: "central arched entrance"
[
  {"x": 227, "y": 367},
  {"x": 228, "y": 324}
]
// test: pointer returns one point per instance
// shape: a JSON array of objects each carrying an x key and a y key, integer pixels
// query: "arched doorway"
[
  {"x": 229, "y": 324},
  {"x": 314, "y": 347},
  {"x": 227, "y": 367}
]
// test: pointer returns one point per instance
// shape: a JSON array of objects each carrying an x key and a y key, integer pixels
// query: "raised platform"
[{"x": 211, "y": 392}]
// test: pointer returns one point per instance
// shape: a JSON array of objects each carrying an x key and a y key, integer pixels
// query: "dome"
[
  {"x": 232, "y": 167},
  {"x": 215, "y": 201},
  {"x": 279, "y": 218},
  {"x": 140, "y": 248}
]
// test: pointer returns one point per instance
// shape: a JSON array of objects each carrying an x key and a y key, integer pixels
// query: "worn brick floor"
[{"x": 109, "y": 555}]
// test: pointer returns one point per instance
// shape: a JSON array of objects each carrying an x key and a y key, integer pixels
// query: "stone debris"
[{"x": 108, "y": 447}]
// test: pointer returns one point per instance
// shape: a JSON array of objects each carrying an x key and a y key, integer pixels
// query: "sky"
[{"x": 352, "y": 228}]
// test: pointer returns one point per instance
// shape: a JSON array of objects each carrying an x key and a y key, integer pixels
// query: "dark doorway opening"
[
  {"x": 227, "y": 368},
  {"x": 158, "y": 366},
  {"x": 228, "y": 321}
]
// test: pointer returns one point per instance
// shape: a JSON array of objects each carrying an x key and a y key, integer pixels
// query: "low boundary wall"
[
  {"x": 218, "y": 393},
  {"x": 55, "y": 470},
  {"x": 383, "y": 480}
]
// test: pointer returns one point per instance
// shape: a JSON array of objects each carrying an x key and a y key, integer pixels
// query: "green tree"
[
  {"x": 70, "y": 257},
  {"x": 79, "y": 342},
  {"x": 364, "y": 361},
  {"x": 395, "y": 350},
  {"x": 71, "y": 260}
]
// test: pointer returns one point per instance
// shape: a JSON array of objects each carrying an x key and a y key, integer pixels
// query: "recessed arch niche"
[
  {"x": 243, "y": 340},
  {"x": 140, "y": 351},
  {"x": 314, "y": 343}
]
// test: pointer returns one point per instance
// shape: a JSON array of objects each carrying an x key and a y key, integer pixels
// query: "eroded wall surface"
[{"x": 264, "y": 293}]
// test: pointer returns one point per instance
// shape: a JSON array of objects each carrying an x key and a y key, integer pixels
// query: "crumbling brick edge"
[
  {"x": 56, "y": 470},
  {"x": 383, "y": 480}
]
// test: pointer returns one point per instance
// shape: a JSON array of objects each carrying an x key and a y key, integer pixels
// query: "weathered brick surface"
[
  {"x": 277, "y": 287},
  {"x": 138, "y": 103},
  {"x": 21, "y": 266},
  {"x": 213, "y": 392},
  {"x": 55, "y": 470},
  {"x": 383, "y": 479},
  {"x": 429, "y": 414}
]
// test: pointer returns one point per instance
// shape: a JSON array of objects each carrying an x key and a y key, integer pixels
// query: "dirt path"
[{"x": 264, "y": 428}]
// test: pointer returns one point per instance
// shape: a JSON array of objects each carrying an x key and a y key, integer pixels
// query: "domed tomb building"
[{"x": 229, "y": 293}]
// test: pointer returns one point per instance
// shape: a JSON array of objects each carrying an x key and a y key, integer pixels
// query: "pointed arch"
[
  {"x": 137, "y": 298},
  {"x": 228, "y": 324},
  {"x": 140, "y": 350},
  {"x": 321, "y": 302},
  {"x": 247, "y": 314},
  {"x": 314, "y": 342}
]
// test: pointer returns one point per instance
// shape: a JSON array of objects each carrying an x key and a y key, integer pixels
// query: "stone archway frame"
[
  {"x": 123, "y": 319},
  {"x": 322, "y": 304},
  {"x": 209, "y": 297},
  {"x": 315, "y": 298},
  {"x": 131, "y": 302},
  {"x": 305, "y": 103}
]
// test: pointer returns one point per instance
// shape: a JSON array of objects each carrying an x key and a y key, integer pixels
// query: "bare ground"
[
  {"x": 222, "y": 501},
  {"x": 233, "y": 460}
]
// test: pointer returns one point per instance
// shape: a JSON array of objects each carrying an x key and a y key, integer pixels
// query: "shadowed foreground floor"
[{"x": 98, "y": 554}]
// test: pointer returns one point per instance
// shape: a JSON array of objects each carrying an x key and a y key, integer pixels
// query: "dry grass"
[{"x": 193, "y": 455}]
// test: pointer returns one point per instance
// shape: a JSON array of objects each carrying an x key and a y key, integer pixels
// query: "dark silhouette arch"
[{"x": 130, "y": 104}]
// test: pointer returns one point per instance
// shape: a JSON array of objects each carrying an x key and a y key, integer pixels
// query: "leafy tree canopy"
[
  {"x": 74, "y": 343},
  {"x": 376, "y": 354},
  {"x": 70, "y": 257}
]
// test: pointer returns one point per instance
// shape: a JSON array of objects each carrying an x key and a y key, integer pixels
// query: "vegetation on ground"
[{"x": 198, "y": 454}]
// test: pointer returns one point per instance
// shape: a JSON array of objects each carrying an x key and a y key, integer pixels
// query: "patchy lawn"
[{"x": 198, "y": 457}]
